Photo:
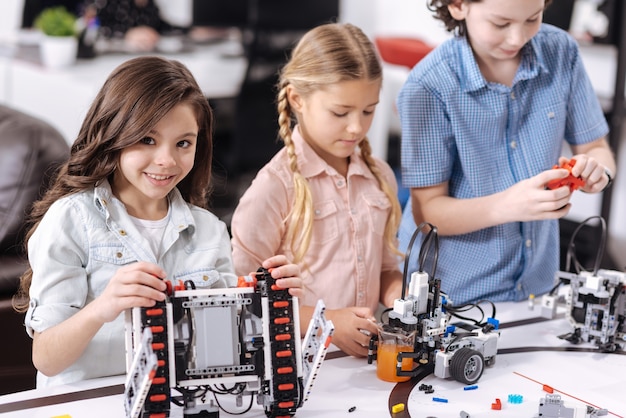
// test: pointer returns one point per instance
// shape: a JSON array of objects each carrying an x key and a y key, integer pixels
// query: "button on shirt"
[
  {"x": 85, "y": 238},
  {"x": 347, "y": 254},
  {"x": 484, "y": 137}
]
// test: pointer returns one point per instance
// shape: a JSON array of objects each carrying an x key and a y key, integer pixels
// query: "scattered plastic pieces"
[
  {"x": 497, "y": 405},
  {"x": 426, "y": 388},
  {"x": 399, "y": 407},
  {"x": 573, "y": 182}
]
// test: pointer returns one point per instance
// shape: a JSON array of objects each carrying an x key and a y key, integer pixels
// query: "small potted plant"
[{"x": 60, "y": 41}]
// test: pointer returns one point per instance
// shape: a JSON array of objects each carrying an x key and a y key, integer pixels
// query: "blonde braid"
[
  {"x": 300, "y": 217},
  {"x": 326, "y": 55},
  {"x": 393, "y": 221}
]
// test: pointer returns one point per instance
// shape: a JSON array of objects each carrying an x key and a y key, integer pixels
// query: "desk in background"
[
  {"x": 528, "y": 349},
  {"x": 62, "y": 97}
]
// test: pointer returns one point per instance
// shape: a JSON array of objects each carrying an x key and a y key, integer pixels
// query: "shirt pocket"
[
  {"x": 552, "y": 117},
  {"x": 199, "y": 265},
  {"x": 104, "y": 261},
  {"x": 202, "y": 278},
  {"x": 542, "y": 125},
  {"x": 325, "y": 228},
  {"x": 378, "y": 209},
  {"x": 111, "y": 253}
]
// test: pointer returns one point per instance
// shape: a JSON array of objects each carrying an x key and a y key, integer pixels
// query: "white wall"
[
  {"x": 359, "y": 13},
  {"x": 10, "y": 19},
  {"x": 394, "y": 18},
  {"x": 176, "y": 12},
  {"x": 409, "y": 18},
  {"x": 617, "y": 222}
]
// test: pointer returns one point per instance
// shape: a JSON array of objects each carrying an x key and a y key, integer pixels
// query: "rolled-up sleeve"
[
  {"x": 585, "y": 120},
  {"x": 57, "y": 255}
]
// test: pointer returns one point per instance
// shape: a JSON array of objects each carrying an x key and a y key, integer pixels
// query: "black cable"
[
  {"x": 188, "y": 394},
  {"x": 219, "y": 405},
  {"x": 570, "y": 256},
  {"x": 555, "y": 287},
  {"x": 571, "y": 247},
  {"x": 455, "y": 309},
  {"x": 407, "y": 256},
  {"x": 432, "y": 303},
  {"x": 468, "y": 319},
  {"x": 425, "y": 248},
  {"x": 425, "y": 243},
  {"x": 223, "y": 390},
  {"x": 382, "y": 314}
]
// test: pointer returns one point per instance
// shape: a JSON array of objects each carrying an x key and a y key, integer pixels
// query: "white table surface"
[{"x": 345, "y": 382}]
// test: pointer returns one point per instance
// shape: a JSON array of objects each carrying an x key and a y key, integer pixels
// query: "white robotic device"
[{"x": 242, "y": 341}]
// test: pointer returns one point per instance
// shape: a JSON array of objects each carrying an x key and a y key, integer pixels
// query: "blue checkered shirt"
[{"x": 482, "y": 138}]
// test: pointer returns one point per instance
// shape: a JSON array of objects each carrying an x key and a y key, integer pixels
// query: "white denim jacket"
[{"x": 80, "y": 243}]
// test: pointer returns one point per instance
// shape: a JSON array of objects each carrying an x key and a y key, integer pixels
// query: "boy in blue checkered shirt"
[{"x": 483, "y": 120}]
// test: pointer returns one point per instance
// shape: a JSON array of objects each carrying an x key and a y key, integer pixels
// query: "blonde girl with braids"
[
  {"x": 324, "y": 200},
  {"x": 124, "y": 214}
]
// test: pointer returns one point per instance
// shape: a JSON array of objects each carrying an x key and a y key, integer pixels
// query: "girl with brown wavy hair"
[{"x": 124, "y": 214}]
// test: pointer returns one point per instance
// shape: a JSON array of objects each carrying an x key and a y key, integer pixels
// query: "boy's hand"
[
  {"x": 572, "y": 181},
  {"x": 591, "y": 171},
  {"x": 135, "y": 285},
  {"x": 287, "y": 275},
  {"x": 530, "y": 200}
]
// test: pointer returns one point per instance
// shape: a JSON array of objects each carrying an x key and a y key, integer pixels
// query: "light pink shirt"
[{"x": 347, "y": 255}]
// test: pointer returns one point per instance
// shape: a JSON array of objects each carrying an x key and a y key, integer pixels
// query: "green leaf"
[{"x": 56, "y": 21}]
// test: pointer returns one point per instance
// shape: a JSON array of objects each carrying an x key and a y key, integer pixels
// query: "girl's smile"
[{"x": 151, "y": 168}]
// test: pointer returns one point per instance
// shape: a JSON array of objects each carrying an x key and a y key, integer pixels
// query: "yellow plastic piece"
[{"x": 399, "y": 407}]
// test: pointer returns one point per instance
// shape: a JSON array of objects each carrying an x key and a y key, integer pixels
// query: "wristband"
[{"x": 610, "y": 176}]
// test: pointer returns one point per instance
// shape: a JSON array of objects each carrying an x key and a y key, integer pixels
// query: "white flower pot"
[{"x": 58, "y": 51}]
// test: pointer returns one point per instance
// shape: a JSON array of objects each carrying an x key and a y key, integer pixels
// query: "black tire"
[{"x": 467, "y": 365}]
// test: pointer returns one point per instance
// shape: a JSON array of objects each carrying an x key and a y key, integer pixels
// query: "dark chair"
[
  {"x": 30, "y": 150},
  {"x": 274, "y": 27}
]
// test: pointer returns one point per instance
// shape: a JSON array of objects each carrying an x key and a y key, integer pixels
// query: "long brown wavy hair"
[
  {"x": 327, "y": 54},
  {"x": 135, "y": 96}
]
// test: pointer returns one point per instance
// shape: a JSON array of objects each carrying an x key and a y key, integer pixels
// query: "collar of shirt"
[
  {"x": 110, "y": 206},
  {"x": 310, "y": 164},
  {"x": 531, "y": 64}
]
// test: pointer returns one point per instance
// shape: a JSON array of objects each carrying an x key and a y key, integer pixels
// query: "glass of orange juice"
[{"x": 391, "y": 341}]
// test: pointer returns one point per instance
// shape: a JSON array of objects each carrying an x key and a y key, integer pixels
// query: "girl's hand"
[
  {"x": 287, "y": 275},
  {"x": 590, "y": 170},
  {"x": 530, "y": 200},
  {"x": 135, "y": 285},
  {"x": 354, "y": 327}
]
